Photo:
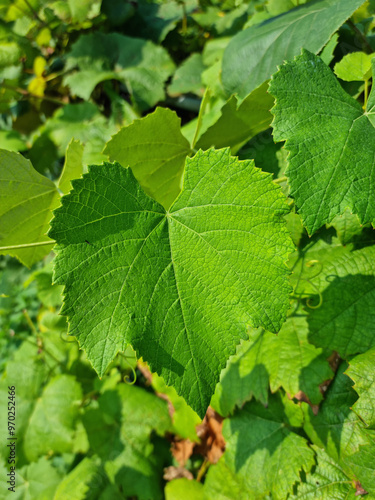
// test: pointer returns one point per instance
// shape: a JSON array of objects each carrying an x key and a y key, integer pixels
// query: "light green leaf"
[
  {"x": 183, "y": 489},
  {"x": 224, "y": 238},
  {"x": 156, "y": 150},
  {"x": 263, "y": 455},
  {"x": 26, "y": 203},
  {"x": 327, "y": 53},
  {"x": 347, "y": 227},
  {"x": 341, "y": 433},
  {"x": 361, "y": 370},
  {"x": 326, "y": 133},
  {"x": 140, "y": 64},
  {"x": 355, "y": 66},
  {"x": 268, "y": 44},
  {"x": 187, "y": 77},
  {"x": 11, "y": 140},
  {"x": 73, "y": 166},
  {"x": 84, "y": 9},
  {"x": 328, "y": 481},
  {"x": 36, "y": 481},
  {"x": 84, "y": 482},
  {"x": 51, "y": 426},
  {"x": 239, "y": 123},
  {"x": 284, "y": 360},
  {"x": 119, "y": 432}
]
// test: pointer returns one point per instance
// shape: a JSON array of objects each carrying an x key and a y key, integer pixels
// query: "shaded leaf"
[{"x": 361, "y": 370}]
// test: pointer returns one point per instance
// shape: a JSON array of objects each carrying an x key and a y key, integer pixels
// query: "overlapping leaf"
[
  {"x": 268, "y": 44},
  {"x": 26, "y": 203},
  {"x": 263, "y": 455},
  {"x": 330, "y": 140},
  {"x": 182, "y": 285},
  {"x": 362, "y": 371}
]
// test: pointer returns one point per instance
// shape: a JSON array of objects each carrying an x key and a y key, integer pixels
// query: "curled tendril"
[
  {"x": 311, "y": 263},
  {"x": 66, "y": 339},
  {"x": 126, "y": 378},
  {"x": 308, "y": 302}
]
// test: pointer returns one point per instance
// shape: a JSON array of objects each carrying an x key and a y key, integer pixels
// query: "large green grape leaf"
[
  {"x": 361, "y": 370},
  {"x": 330, "y": 140},
  {"x": 156, "y": 150},
  {"x": 140, "y": 64},
  {"x": 263, "y": 454},
  {"x": 327, "y": 481},
  {"x": 119, "y": 432},
  {"x": 253, "y": 54},
  {"x": 26, "y": 203},
  {"x": 285, "y": 360},
  {"x": 342, "y": 284},
  {"x": 182, "y": 285}
]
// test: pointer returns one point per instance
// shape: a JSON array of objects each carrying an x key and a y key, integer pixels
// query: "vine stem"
[
  {"x": 27, "y": 245},
  {"x": 359, "y": 33}
]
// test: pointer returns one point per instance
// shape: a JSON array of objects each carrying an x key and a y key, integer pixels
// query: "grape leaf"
[
  {"x": 355, "y": 66},
  {"x": 347, "y": 227},
  {"x": 341, "y": 433},
  {"x": 361, "y": 370},
  {"x": 140, "y": 64},
  {"x": 183, "y": 489},
  {"x": 284, "y": 360},
  {"x": 326, "y": 133},
  {"x": 37, "y": 480},
  {"x": 239, "y": 122},
  {"x": 51, "y": 425},
  {"x": 187, "y": 77},
  {"x": 73, "y": 166},
  {"x": 262, "y": 453},
  {"x": 85, "y": 481},
  {"x": 328, "y": 481},
  {"x": 182, "y": 285},
  {"x": 268, "y": 44},
  {"x": 156, "y": 151},
  {"x": 26, "y": 203},
  {"x": 119, "y": 432}
]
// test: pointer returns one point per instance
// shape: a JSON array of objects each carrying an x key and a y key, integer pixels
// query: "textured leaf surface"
[
  {"x": 26, "y": 203},
  {"x": 140, "y": 64},
  {"x": 86, "y": 480},
  {"x": 362, "y": 371},
  {"x": 266, "y": 45},
  {"x": 179, "y": 286},
  {"x": 285, "y": 360},
  {"x": 156, "y": 151},
  {"x": 344, "y": 280},
  {"x": 328, "y": 481},
  {"x": 262, "y": 452},
  {"x": 326, "y": 133}
]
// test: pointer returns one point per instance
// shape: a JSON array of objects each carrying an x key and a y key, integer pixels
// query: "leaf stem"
[
  {"x": 27, "y": 245},
  {"x": 280, "y": 180},
  {"x": 203, "y": 469},
  {"x": 366, "y": 95}
]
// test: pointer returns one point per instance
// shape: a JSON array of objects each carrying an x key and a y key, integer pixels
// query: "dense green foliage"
[{"x": 187, "y": 270}]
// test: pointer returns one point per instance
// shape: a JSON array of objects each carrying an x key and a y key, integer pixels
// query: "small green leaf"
[
  {"x": 183, "y": 489},
  {"x": 355, "y": 66},
  {"x": 179, "y": 284},
  {"x": 187, "y": 77},
  {"x": 347, "y": 227},
  {"x": 326, "y": 133},
  {"x": 26, "y": 203},
  {"x": 268, "y": 44},
  {"x": 156, "y": 150}
]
